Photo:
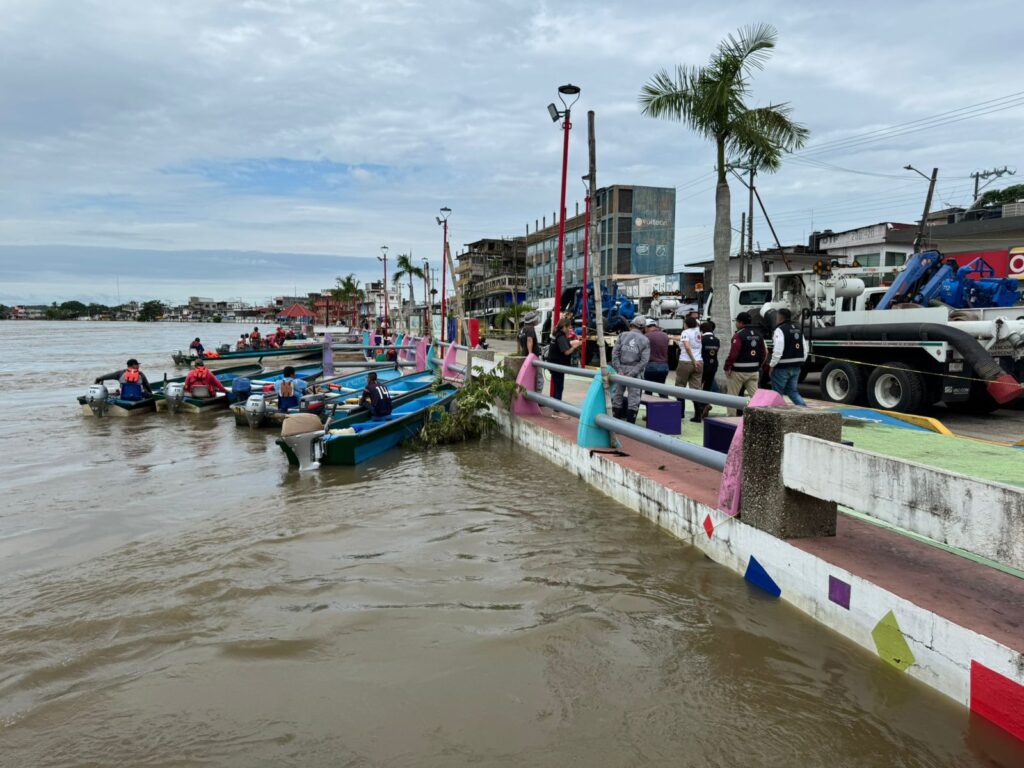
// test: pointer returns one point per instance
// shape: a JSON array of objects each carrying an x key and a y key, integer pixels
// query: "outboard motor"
[
  {"x": 241, "y": 388},
  {"x": 224, "y": 349},
  {"x": 302, "y": 439},
  {"x": 256, "y": 410},
  {"x": 174, "y": 394},
  {"x": 98, "y": 399}
]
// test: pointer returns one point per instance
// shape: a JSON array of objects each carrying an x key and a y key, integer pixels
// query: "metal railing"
[{"x": 699, "y": 454}]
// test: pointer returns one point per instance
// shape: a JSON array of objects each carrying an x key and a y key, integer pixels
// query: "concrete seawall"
[{"x": 953, "y": 624}]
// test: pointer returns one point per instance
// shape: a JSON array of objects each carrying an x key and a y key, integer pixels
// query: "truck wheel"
[
  {"x": 842, "y": 383},
  {"x": 895, "y": 387}
]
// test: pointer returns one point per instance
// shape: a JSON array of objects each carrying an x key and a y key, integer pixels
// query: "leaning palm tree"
[
  {"x": 710, "y": 101},
  {"x": 406, "y": 268}
]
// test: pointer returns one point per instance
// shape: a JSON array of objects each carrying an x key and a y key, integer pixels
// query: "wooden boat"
[
  {"x": 297, "y": 352},
  {"x": 93, "y": 404},
  {"x": 359, "y": 436},
  {"x": 172, "y": 397},
  {"x": 338, "y": 396}
]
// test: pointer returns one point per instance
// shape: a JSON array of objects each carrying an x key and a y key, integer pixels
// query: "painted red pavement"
[{"x": 972, "y": 595}]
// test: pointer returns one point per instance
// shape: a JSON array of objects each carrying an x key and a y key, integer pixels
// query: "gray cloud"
[{"x": 124, "y": 120}]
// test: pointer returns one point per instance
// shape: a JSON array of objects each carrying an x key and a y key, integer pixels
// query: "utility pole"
[
  {"x": 743, "y": 243},
  {"x": 995, "y": 173},
  {"x": 919, "y": 238},
  {"x": 592, "y": 243},
  {"x": 750, "y": 222}
]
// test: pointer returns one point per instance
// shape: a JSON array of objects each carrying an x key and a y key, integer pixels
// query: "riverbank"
[{"x": 950, "y": 622}]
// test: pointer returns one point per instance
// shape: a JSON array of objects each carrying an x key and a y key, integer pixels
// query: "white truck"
[{"x": 901, "y": 359}]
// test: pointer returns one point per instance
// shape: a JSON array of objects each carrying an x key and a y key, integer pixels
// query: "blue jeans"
[{"x": 784, "y": 381}]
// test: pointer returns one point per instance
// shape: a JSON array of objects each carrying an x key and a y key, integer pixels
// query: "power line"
[{"x": 980, "y": 109}]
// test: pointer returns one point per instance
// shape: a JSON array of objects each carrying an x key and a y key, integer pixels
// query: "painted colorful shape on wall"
[
  {"x": 709, "y": 527},
  {"x": 997, "y": 698},
  {"x": 891, "y": 644},
  {"x": 839, "y": 592},
  {"x": 758, "y": 576}
]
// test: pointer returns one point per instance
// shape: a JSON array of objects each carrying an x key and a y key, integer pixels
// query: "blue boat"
[
  {"x": 258, "y": 412},
  {"x": 357, "y": 437}
]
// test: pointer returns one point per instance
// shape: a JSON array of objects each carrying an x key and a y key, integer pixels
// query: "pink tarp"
[{"x": 732, "y": 475}]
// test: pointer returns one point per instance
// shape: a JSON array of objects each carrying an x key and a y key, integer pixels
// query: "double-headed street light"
[
  {"x": 384, "y": 258},
  {"x": 442, "y": 220},
  {"x": 569, "y": 91}
]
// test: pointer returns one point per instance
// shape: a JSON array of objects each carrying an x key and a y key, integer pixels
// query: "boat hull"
[
  {"x": 233, "y": 358},
  {"x": 122, "y": 409}
]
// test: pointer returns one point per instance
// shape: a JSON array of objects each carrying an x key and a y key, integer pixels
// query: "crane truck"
[{"x": 902, "y": 339}]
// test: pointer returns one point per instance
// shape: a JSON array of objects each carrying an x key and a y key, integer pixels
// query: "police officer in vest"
[
  {"x": 747, "y": 355},
  {"x": 630, "y": 356},
  {"x": 789, "y": 351}
]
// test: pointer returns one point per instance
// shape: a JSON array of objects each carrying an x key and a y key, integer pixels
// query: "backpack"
[{"x": 287, "y": 388}]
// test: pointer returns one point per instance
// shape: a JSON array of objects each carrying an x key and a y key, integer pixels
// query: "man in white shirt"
[
  {"x": 789, "y": 351},
  {"x": 691, "y": 365}
]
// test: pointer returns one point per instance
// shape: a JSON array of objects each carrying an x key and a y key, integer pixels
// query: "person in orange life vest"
[
  {"x": 196, "y": 348},
  {"x": 289, "y": 389},
  {"x": 243, "y": 343},
  {"x": 134, "y": 384},
  {"x": 200, "y": 375},
  {"x": 279, "y": 336},
  {"x": 254, "y": 338}
]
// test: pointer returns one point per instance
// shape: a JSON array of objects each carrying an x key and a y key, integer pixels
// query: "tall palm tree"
[
  {"x": 710, "y": 101},
  {"x": 347, "y": 290},
  {"x": 404, "y": 267}
]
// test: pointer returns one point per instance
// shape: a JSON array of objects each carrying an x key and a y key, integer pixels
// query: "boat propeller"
[
  {"x": 98, "y": 398},
  {"x": 174, "y": 394},
  {"x": 255, "y": 410}
]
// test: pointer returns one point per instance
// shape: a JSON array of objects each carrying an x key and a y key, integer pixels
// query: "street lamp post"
[
  {"x": 442, "y": 220},
  {"x": 428, "y": 320},
  {"x": 384, "y": 258},
  {"x": 569, "y": 90},
  {"x": 586, "y": 270}
]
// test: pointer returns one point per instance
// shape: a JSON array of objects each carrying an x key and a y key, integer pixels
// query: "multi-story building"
[
  {"x": 636, "y": 236},
  {"x": 491, "y": 275}
]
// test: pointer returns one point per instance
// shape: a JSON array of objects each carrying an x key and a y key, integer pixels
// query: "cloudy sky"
[{"x": 328, "y": 128}]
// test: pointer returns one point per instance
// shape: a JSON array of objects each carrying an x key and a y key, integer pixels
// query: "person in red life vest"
[
  {"x": 134, "y": 384},
  {"x": 255, "y": 341},
  {"x": 279, "y": 336},
  {"x": 201, "y": 376},
  {"x": 196, "y": 348}
]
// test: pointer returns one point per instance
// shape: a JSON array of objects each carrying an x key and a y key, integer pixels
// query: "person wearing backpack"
[
  {"x": 289, "y": 389},
  {"x": 630, "y": 355}
]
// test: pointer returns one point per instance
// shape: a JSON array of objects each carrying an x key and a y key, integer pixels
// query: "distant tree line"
[{"x": 72, "y": 310}]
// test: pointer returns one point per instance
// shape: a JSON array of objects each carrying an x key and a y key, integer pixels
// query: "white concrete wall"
[
  {"x": 980, "y": 516},
  {"x": 942, "y": 650}
]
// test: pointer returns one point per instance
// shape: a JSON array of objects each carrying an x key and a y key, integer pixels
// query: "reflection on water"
[{"x": 172, "y": 595}]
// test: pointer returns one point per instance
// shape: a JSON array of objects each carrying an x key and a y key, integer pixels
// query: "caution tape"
[{"x": 913, "y": 370}]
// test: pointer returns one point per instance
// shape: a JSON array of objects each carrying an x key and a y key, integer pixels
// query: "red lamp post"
[
  {"x": 443, "y": 221},
  {"x": 569, "y": 90},
  {"x": 384, "y": 258}
]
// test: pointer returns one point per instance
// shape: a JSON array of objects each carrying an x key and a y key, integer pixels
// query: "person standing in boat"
[
  {"x": 201, "y": 376},
  {"x": 289, "y": 389},
  {"x": 255, "y": 340},
  {"x": 134, "y": 384},
  {"x": 376, "y": 396},
  {"x": 196, "y": 348}
]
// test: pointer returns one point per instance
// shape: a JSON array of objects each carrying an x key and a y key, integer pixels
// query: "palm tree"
[
  {"x": 710, "y": 101},
  {"x": 347, "y": 290},
  {"x": 406, "y": 268}
]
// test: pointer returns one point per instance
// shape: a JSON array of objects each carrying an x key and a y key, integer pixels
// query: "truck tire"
[
  {"x": 842, "y": 383},
  {"x": 896, "y": 387}
]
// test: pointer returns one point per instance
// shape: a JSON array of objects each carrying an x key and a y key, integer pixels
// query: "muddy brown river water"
[{"x": 172, "y": 595}]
